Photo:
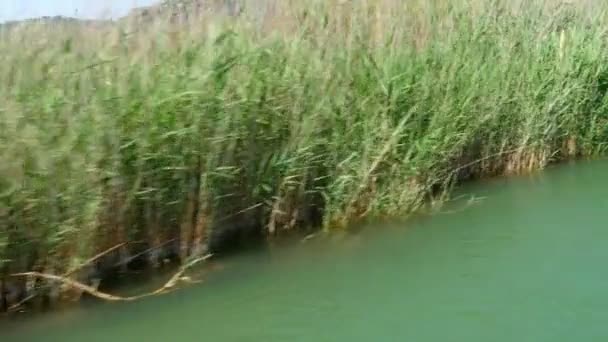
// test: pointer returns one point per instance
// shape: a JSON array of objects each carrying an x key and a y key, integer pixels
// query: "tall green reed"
[{"x": 288, "y": 116}]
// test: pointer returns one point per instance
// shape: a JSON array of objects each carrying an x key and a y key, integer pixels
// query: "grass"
[{"x": 290, "y": 116}]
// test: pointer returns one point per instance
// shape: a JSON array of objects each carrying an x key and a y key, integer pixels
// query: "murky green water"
[{"x": 527, "y": 263}]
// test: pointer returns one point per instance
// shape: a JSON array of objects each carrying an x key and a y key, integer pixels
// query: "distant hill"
[
  {"x": 169, "y": 8},
  {"x": 184, "y": 8},
  {"x": 55, "y": 19}
]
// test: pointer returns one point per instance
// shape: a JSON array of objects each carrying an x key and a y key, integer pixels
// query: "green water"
[{"x": 525, "y": 263}]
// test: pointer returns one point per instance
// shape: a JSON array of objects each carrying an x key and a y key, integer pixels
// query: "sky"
[{"x": 23, "y": 9}]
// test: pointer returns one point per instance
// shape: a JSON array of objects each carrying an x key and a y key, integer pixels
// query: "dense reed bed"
[{"x": 174, "y": 135}]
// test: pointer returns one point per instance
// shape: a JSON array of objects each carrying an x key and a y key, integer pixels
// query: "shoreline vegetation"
[{"x": 180, "y": 131}]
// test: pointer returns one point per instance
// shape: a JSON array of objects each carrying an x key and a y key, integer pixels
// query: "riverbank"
[
  {"x": 168, "y": 139},
  {"x": 521, "y": 264}
]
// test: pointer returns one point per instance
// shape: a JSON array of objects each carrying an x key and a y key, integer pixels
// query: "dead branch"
[
  {"x": 68, "y": 273},
  {"x": 169, "y": 285},
  {"x": 176, "y": 277}
]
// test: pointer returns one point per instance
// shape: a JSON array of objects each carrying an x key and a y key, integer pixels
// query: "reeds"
[{"x": 289, "y": 115}]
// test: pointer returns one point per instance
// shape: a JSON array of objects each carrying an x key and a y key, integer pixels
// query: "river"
[{"x": 523, "y": 262}]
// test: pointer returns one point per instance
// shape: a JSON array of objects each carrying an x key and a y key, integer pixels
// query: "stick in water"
[{"x": 170, "y": 284}]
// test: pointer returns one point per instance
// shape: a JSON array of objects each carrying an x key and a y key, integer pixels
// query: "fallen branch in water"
[
  {"x": 177, "y": 276},
  {"x": 69, "y": 273},
  {"x": 170, "y": 284}
]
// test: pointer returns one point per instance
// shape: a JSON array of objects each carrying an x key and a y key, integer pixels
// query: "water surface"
[{"x": 524, "y": 263}]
